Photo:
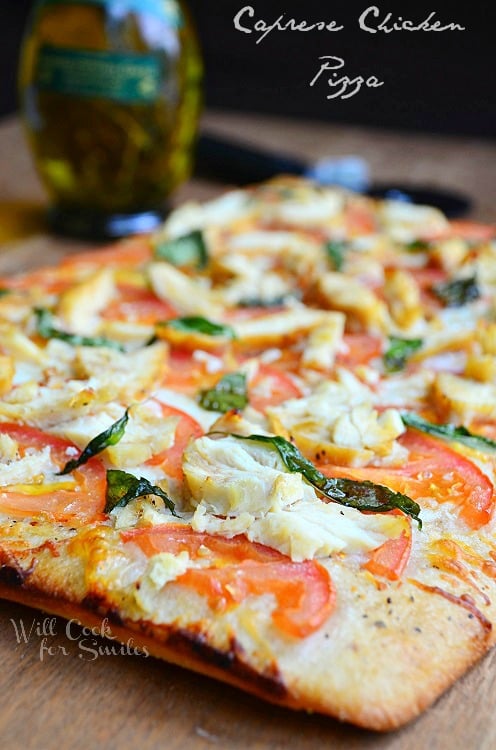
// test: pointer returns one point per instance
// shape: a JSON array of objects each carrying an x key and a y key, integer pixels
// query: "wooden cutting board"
[{"x": 65, "y": 688}]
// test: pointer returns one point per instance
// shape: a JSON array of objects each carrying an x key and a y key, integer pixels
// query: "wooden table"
[{"x": 75, "y": 698}]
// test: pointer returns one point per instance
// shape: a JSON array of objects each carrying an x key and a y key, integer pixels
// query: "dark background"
[{"x": 440, "y": 82}]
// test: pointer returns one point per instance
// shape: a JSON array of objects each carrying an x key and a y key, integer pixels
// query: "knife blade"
[{"x": 241, "y": 163}]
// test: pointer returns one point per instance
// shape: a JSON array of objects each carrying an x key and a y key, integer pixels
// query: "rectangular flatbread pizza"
[{"x": 262, "y": 444}]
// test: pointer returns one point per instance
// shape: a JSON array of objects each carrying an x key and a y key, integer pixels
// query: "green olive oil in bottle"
[{"x": 110, "y": 95}]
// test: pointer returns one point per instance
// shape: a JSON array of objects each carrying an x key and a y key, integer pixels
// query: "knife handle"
[{"x": 225, "y": 160}]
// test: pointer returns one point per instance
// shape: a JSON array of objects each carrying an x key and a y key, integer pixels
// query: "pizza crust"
[
  {"x": 380, "y": 660},
  {"x": 391, "y": 646}
]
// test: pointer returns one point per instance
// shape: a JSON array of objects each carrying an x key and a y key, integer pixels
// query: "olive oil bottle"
[{"x": 110, "y": 95}]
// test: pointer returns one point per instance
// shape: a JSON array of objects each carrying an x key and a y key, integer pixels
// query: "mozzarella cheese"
[
  {"x": 267, "y": 245},
  {"x": 35, "y": 467}
]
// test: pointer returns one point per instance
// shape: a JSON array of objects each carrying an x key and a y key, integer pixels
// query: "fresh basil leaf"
[
  {"x": 417, "y": 246},
  {"x": 228, "y": 393},
  {"x": 400, "y": 350},
  {"x": 188, "y": 250},
  {"x": 46, "y": 330},
  {"x": 123, "y": 487},
  {"x": 452, "y": 432},
  {"x": 458, "y": 292},
  {"x": 4, "y": 292},
  {"x": 364, "y": 496},
  {"x": 196, "y": 324},
  {"x": 336, "y": 250},
  {"x": 108, "y": 437}
]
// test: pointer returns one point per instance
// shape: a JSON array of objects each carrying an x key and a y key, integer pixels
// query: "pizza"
[{"x": 262, "y": 443}]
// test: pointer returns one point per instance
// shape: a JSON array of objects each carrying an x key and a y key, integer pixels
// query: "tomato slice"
[
  {"x": 131, "y": 252},
  {"x": 433, "y": 470},
  {"x": 138, "y": 305},
  {"x": 170, "y": 460},
  {"x": 359, "y": 349},
  {"x": 57, "y": 279},
  {"x": 301, "y": 590},
  {"x": 360, "y": 220},
  {"x": 270, "y": 387},
  {"x": 471, "y": 230},
  {"x": 429, "y": 277},
  {"x": 52, "y": 280},
  {"x": 186, "y": 374},
  {"x": 485, "y": 428},
  {"x": 389, "y": 560},
  {"x": 176, "y": 538},
  {"x": 238, "y": 568},
  {"x": 84, "y": 502}
]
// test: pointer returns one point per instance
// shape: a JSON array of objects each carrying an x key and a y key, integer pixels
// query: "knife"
[{"x": 225, "y": 160}]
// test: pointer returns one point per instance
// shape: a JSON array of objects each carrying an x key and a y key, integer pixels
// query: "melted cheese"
[
  {"x": 165, "y": 567},
  {"x": 33, "y": 467},
  {"x": 187, "y": 405},
  {"x": 265, "y": 243}
]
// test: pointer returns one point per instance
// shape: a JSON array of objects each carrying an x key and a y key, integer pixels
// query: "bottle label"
[
  {"x": 168, "y": 11},
  {"x": 121, "y": 77}
]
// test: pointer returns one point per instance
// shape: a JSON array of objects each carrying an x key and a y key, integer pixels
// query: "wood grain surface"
[{"x": 69, "y": 690}]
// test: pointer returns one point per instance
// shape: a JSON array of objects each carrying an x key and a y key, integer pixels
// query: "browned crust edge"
[
  {"x": 175, "y": 645},
  {"x": 190, "y": 650}
]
